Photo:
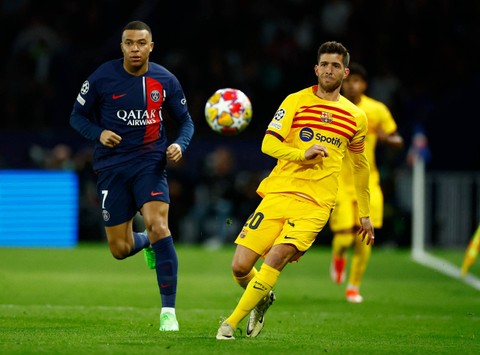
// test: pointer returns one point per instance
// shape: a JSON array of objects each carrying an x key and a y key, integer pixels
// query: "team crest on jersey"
[
  {"x": 155, "y": 95},
  {"x": 85, "y": 87},
  {"x": 279, "y": 114},
  {"x": 326, "y": 117},
  {"x": 105, "y": 215}
]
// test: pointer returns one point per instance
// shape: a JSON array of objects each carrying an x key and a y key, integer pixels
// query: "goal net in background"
[{"x": 445, "y": 209}]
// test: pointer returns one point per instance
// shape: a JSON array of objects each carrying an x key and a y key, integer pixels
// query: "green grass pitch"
[{"x": 82, "y": 301}]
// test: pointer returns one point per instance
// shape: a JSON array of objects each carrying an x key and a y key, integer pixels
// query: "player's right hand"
[
  {"x": 366, "y": 230},
  {"x": 110, "y": 139},
  {"x": 315, "y": 151}
]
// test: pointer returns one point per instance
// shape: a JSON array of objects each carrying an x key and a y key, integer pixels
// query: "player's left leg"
[
  {"x": 155, "y": 214},
  {"x": 362, "y": 251},
  {"x": 360, "y": 258},
  {"x": 261, "y": 285},
  {"x": 341, "y": 241}
]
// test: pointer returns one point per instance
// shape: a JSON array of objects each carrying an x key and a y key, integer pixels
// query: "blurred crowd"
[{"x": 419, "y": 55}]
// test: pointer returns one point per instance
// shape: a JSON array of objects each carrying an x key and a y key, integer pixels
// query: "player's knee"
[
  {"x": 119, "y": 251},
  {"x": 240, "y": 270},
  {"x": 158, "y": 229}
]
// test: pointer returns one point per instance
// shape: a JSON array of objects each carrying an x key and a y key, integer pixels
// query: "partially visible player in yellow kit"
[
  {"x": 309, "y": 136},
  {"x": 344, "y": 220}
]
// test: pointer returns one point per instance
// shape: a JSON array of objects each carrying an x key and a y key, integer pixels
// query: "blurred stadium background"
[{"x": 420, "y": 56}]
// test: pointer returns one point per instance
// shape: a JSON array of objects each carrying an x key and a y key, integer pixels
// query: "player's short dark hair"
[
  {"x": 137, "y": 25},
  {"x": 358, "y": 69},
  {"x": 333, "y": 47}
]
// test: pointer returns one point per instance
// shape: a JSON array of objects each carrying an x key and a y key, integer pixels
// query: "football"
[{"x": 228, "y": 111}]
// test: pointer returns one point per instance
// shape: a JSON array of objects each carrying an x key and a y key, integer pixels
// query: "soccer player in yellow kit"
[
  {"x": 344, "y": 220},
  {"x": 309, "y": 136}
]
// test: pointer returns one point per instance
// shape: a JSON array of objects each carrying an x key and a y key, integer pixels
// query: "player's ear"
[
  {"x": 346, "y": 72},
  {"x": 151, "y": 46},
  {"x": 316, "y": 69}
]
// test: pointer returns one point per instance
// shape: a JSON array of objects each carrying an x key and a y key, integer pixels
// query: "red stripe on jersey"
[
  {"x": 357, "y": 148},
  {"x": 333, "y": 123},
  {"x": 324, "y": 128},
  {"x": 314, "y": 109},
  {"x": 154, "y": 98}
]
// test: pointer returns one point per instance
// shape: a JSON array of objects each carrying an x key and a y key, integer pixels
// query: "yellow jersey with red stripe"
[{"x": 304, "y": 119}]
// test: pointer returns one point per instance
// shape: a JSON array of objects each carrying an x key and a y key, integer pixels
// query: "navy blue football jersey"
[{"x": 131, "y": 106}]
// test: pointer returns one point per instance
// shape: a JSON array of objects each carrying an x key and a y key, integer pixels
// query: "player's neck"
[
  {"x": 136, "y": 71},
  {"x": 327, "y": 95}
]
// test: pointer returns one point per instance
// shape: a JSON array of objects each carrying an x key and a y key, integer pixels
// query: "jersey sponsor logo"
[
  {"x": 155, "y": 95},
  {"x": 279, "y": 114},
  {"x": 156, "y": 193},
  {"x": 306, "y": 134},
  {"x": 85, "y": 87},
  {"x": 138, "y": 117},
  {"x": 116, "y": 97}
]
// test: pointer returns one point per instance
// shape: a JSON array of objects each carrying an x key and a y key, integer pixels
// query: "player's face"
[
  {"x": 353, "y": 87},
  {"x": 330, "y": 71},
  {"x": 136, "y": 48}
]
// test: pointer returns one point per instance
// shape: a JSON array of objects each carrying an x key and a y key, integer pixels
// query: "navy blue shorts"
[{"x": 122, "y": 191}]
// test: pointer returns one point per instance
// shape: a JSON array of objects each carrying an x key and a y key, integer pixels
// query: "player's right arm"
[
  {"x": 273, "y": 143},
  {"x": 82, "y": 113},
  {"x": 274, "y": 147}
]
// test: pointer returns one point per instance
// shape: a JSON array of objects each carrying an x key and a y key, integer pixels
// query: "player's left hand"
[
  {"x": 366, "y": 230},
  {"x": 174, "y": 152}
]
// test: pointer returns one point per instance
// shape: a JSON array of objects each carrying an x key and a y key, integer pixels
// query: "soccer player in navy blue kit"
[{"x": 120, "y": 107}]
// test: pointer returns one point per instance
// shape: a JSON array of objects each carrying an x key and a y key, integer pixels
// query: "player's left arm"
[
  {"x": 387, "y": 130},
  {"x": 177, "y": 104},
  {"x": 361, "y": 172}
]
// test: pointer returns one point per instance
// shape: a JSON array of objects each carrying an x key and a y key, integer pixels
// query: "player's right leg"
[
  {"x": 342, "y": 224},
  {"x": 118, "y": 210},
  {"x": 341, "y": 241}
]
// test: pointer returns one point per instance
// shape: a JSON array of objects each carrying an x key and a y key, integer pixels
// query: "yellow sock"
[
  {"x": 361, "y": 255},
  {"x": 243, "y": 281},
  {"x": 341, "y": 242},
  {"x": 256, "y": 290}
]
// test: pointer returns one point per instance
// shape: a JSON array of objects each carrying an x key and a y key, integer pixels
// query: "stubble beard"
[{"x": 329, "y": 88}]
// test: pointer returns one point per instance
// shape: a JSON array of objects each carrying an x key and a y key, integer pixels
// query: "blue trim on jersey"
[{"x": 275, "y": 134}]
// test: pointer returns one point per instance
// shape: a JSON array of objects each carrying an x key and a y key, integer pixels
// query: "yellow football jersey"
[
  {"x": 302, "y": 120},
  {"x": 379, "y": 118}
]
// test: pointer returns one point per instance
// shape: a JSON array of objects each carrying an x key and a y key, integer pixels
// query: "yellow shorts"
[
  {"x": 283, "y": 219},
  {"x": 345, "y": 215}
]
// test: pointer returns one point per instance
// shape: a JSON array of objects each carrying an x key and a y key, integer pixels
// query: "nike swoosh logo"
[
  {"x": 287, "y": 237},
  {"x": 153, "y": 193},
  {"x": 115, "y": 97},
  {"x": 166, "y": 285},
  {"x": 258, "y": 286}
]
